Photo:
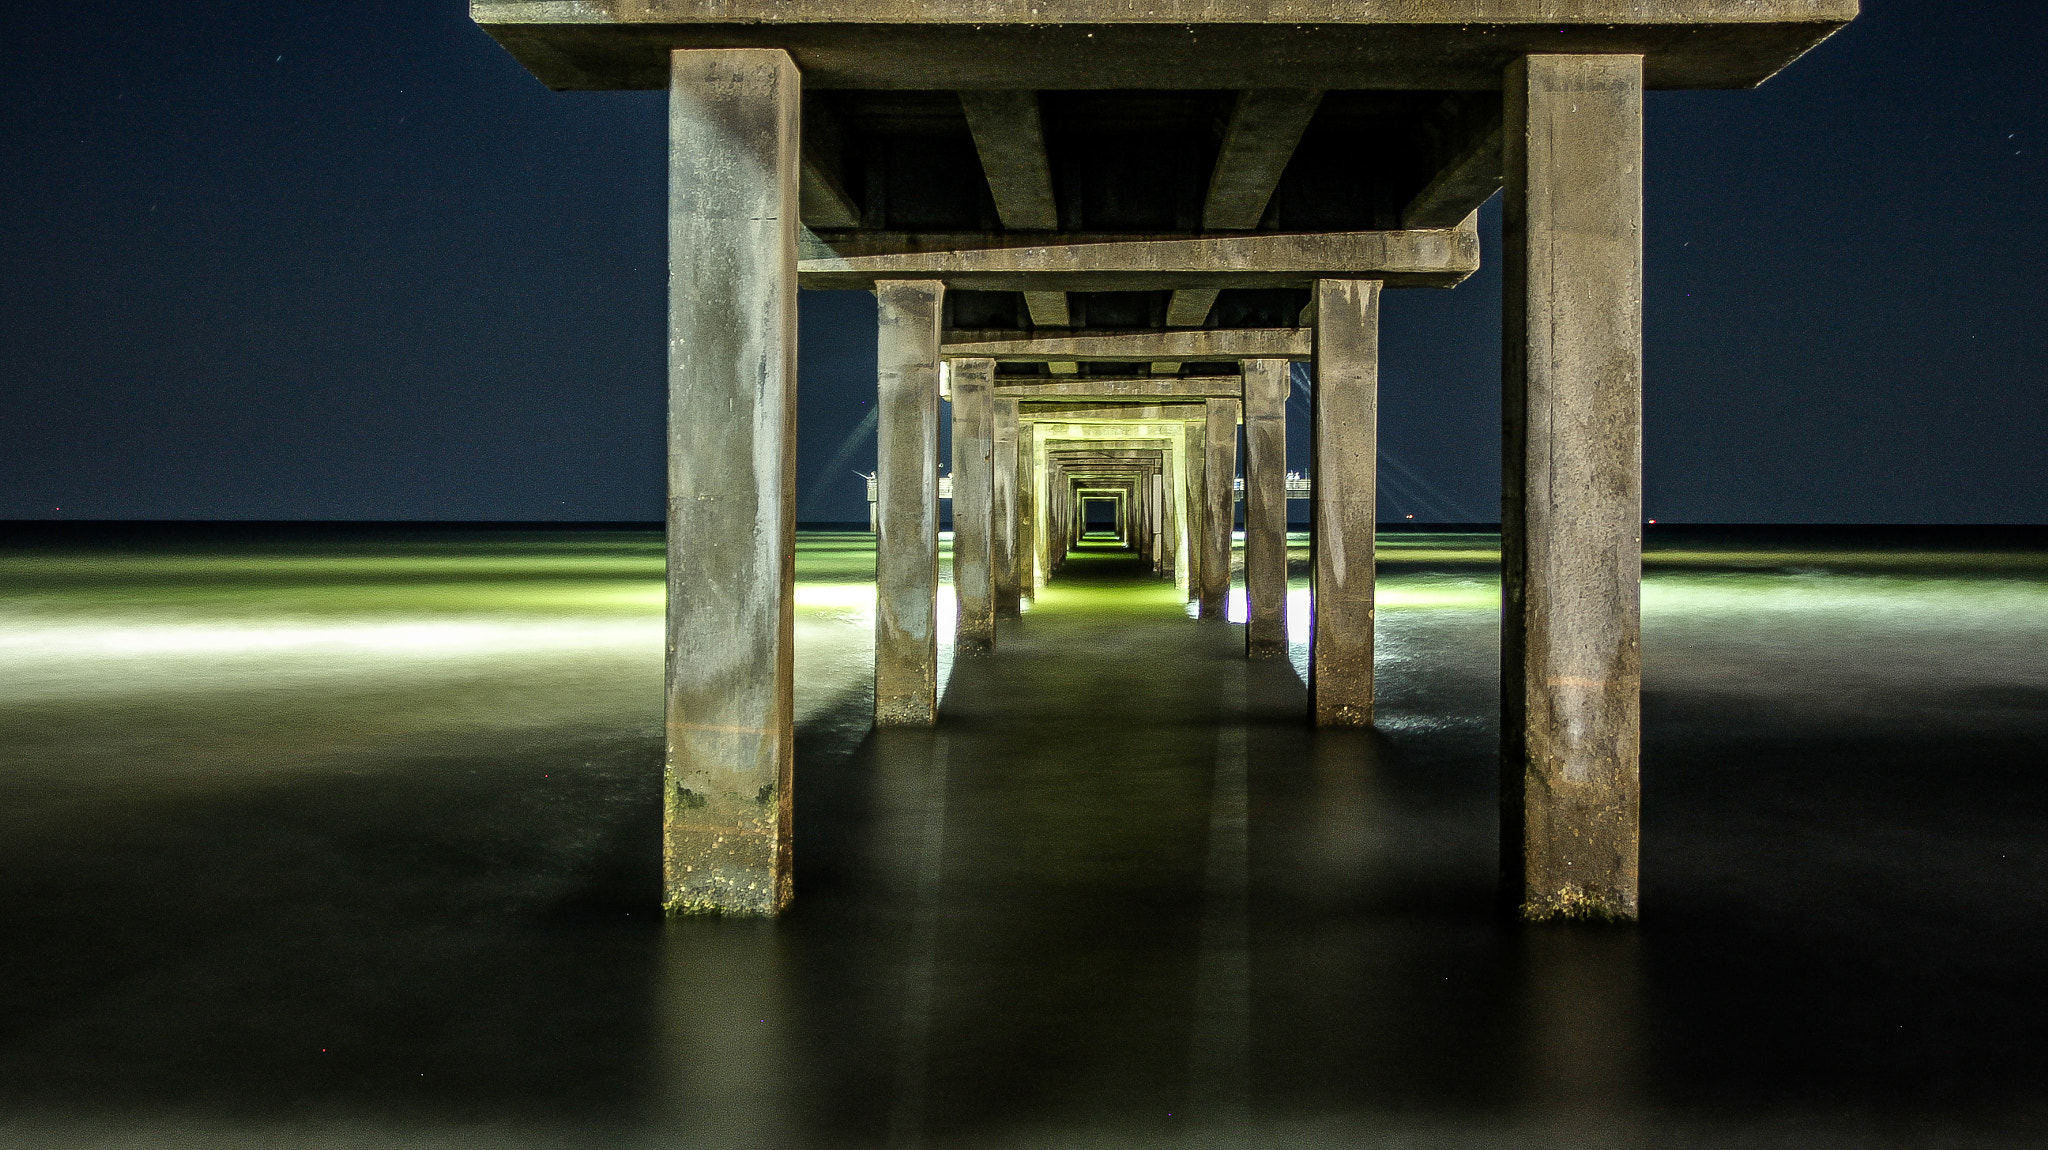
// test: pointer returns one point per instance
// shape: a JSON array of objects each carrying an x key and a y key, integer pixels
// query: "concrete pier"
[
  {"x": 1003, "y": 511},
  {"x": 907, "y": 502},
  {"x": 1194, "y": 439},
  {"x": 1266, "y": 387},
  {"x": 1026, "y": 552},
  {"x": 972, "y": 382},
  {"x": 1344, "y": 501},
  {"x": 1571, "y": 500},
  {"x": 733, "y": 155},
  {"x": 1219, "y": 504},
  {"x": 1354, "y": 147}
]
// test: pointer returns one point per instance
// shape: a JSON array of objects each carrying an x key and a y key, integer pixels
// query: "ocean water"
[{"x": 348, "y": 837}]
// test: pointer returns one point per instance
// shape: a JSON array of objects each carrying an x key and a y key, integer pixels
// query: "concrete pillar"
[
  {"x": 1219, "y": 504},
  {"x": 1344, "y": 500},
  {"x": 907, "y": 502},
  {"x": 1266, "y": 387},
  {"x": 1571, "y": 498},
  {"x": 1171, "y": 557},
  {"x": 1024, "y": 550},
  {"x": 1155, "y": 525},
  {"x": 1194, "y": 438},
  {"x": 973, "y": 385},
  {"x": 731, "y": 478},
  {"x": 1003, "y": 504}
]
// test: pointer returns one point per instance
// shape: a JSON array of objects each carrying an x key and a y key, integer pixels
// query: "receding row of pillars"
[{"x": 1571, "y": 544}]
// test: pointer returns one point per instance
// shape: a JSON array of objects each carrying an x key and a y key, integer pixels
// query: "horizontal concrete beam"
[
  {"x": 1128, "y": 346},
  {"x": 1445, "y": 45},
  {"x": 1058, "y": 412},
  {"x": 994, "y": 261},
  {"x": 1190, "y": 387},
  {"x": 1086, "y": 446}
]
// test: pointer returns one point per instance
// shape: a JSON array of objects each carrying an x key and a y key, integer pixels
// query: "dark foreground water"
[{"x": 349, "y": 838}]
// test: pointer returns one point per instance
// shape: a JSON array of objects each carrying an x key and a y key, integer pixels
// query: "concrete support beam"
[
  {"x": 973, "y": 493},
  {"x": 1100, "y": 387},
  {"x": 1011, "y": 140},
  {"x": 1190, "y": 307},
  {"x": 1571, "y": 500},
  {"x": 1466, "y": 132},
  {"x": 821, "y": 187},
  {"x": 1048, "y": 309},
  {"x": 1190, "y": 45},
  {"x": 1266, "y": 387},
  {"x": 1000, "y": 261},
  {"x": 1219, "y": 505},
  {"x": 1344, "y": 505},
  {"x": 733, "y": 159},
  {"x": 1187, "y": 307},
  {"x": 907, "y": 503},
  {"x": 1085, "y": 411},
  {"x": 1130, "y": 346},
  {"x": 1003, "y": 543},
  {"x": 1265, "y": 125}
]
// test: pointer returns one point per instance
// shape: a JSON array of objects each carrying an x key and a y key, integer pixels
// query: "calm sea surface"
[{"x": 321, "y": 837}]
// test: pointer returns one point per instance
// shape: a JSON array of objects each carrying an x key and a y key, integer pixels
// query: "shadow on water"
[{"x": 1120, "y": 895}]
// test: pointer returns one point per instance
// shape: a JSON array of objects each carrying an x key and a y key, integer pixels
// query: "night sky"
[{"x": 275, "y": 260}]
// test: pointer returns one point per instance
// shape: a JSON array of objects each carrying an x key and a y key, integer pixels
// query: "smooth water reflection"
[{"x": 346, "y": 839}]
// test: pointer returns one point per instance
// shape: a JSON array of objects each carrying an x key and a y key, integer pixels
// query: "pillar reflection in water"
[
  {"x": 911, "y": 789},
  {"x": 723, "y": 1059},
  {"x": 1581, "y": 1039}
]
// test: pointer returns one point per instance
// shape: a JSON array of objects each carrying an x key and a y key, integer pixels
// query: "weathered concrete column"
[
  {"x": 973, "y": 385},
  {"x": 907, "y": 502},
  {"x": 1025, "y": 548},
  {"x": 731, "y": 480},
  {"x": 1170, "y": 513},
  {"x": 1155, "y": 526},
  {"x": 1219, "y": 505},
  {"x": 1266, "y": 387},
  {"x": 1344, "y": 500},
  {"x": 1194, "y": 439},
  {"x": 1003, "y": 504},
  {"x": 1571, "y": 498}
]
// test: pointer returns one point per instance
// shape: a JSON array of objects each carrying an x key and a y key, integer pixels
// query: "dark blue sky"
[{"x": 349, "y": 261}]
